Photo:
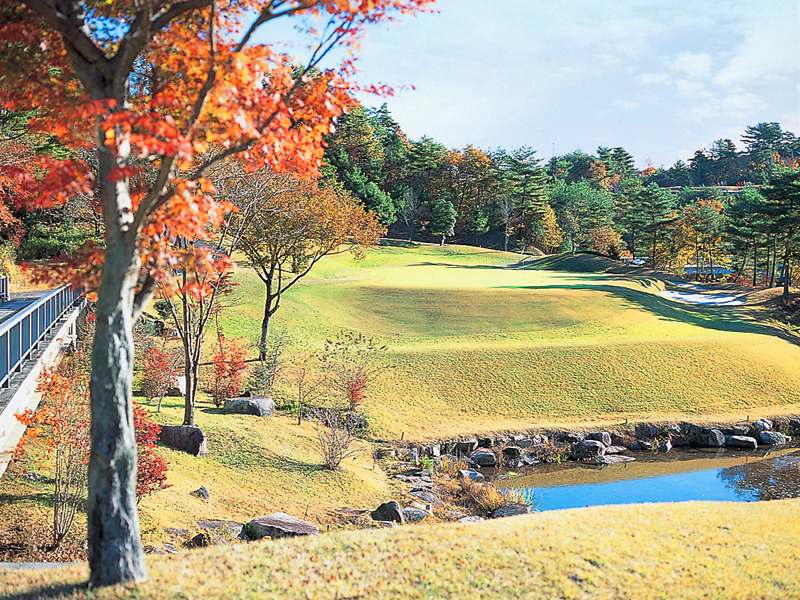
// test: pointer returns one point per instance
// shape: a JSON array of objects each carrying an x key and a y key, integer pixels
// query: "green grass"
[
  {"x": 485, "y": 340},
  {"x": 679, "y": 551}
]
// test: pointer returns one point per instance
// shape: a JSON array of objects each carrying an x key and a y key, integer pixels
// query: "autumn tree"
[
  {"x": 159, "y": 92},
  {"x": 293, "y": 228}
]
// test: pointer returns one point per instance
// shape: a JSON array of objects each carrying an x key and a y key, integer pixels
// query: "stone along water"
[{"x": 679, "y": 476}]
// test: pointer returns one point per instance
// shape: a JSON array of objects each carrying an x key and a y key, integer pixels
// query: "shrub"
[
  {"x": 265, "y": 371},
  {"x": 336, "y": 437},
  {"x": 151, "y": 474},
  {"x": 350, "y": 363},
  {"x": 228, "y": 361},
  {"x": 160, "y": 372}
]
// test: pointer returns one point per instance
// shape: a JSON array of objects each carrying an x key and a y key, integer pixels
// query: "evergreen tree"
[
  {"x": 782, "y": 207},
  {"x": 443, "y": 219},
  {"x": 657, "y": 210}
]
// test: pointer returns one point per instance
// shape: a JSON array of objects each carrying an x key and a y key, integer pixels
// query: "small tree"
[
  {"x": 350, "y": 363},
  {"x": 160, "y": 372},
  {"x": 306, "y": 379},
  {"x": 63, "y": 425},
  {"x": 265, "y": 372},
  {"x": 443, "y": 219},
  {"x": 408, "y": 207},
  {"x": 336, "y": 437},
  {"x": 228, "y": 361},
  {"x": 151, "y": 472}
]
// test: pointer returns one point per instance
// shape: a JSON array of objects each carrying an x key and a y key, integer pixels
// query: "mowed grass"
[
  {"x": 654, "y": 551},
  {"x": 482, "y": 340}
]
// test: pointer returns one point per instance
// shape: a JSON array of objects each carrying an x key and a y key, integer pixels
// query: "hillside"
[
  {"x": 679, "y": 551},
  {"x": 483, "y": 340}
]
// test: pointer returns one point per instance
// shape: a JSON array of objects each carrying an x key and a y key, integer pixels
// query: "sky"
[{"x": 661, "y": 79}]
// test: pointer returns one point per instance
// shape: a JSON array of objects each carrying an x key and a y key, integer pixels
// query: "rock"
[
  {"x": 645, "y": 445},
  {"x": 388, "y": 511},
  {"x": 512, "y": 451},
  {"x": 511, "y": 509},
  {"x": 186, "y": 438},
  {"x": 179, "y": 389},
  {"x": 714, "y": 438},
  {"x": 635, "y": 445},
  {"x": 260, "y": 407},
  {"x": 539, "y": 440},
  {"x": 523, "y": 461},
  {"x": 427, "y": 496},
  {"x": 221, "y": 532},
  {"x": 200, "y": 492},
  {"x": 414, "y": 515},
  {"x": 771, "y": 438},
  {"x": 153, "y": 550},
  {"x": 589, "y": 449},
  {"x": 762, "y": 425},
  {"x": 573, "y": 438},
  {"x": 485, "y": 442},
  {"x": 741, "y": 441},
  {"x": 177, "y": 532},
  {"x": 170, "y": 548},
  {"x": 471, "y": 474},
  {"x": 432, "y": 451},
  {"x": 201, "y": 540},
  {"x": 474, "y": 519},
  {"x": 606, "y": 460},
  {"x": 279, "y": 525},
  {"x": 618, "y": 439},
  {"x": 600, "y": 436},
  {"x": 615, "y": 449},
  {"x": 665, "y": 446},
  {"x": 484, "y": 458},
  {"x": 386, "y": 524},
  {"x": 524, "y": 442},
  {"x": 465, "y": 446},
  {"x": 794, "y": 426},
  {"x": 740, "y": 430}
]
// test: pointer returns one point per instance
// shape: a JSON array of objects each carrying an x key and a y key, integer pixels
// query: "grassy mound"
[
  {"x": 485, "y": 340},
  {"x": 690, "y": 550}
]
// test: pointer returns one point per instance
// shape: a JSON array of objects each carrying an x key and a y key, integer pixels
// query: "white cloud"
[{"x": 695, "y": 66}]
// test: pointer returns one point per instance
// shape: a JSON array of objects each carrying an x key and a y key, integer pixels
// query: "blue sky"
[{"x": 661, "y": 79}]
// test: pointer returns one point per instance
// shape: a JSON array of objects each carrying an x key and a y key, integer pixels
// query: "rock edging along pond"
[{"x": 601, "y": 447}]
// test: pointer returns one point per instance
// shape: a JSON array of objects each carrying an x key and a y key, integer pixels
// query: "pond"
[{"x": 678, "y": 476}]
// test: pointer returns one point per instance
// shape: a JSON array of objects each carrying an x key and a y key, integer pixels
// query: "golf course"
[{"x": 481, "y": 340}]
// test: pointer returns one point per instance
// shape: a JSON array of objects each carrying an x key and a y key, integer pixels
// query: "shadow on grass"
[
  {"x": 718, "y": 318},
  {"x": 53, "y": 591},
  {"x": 43, "y": 498}
]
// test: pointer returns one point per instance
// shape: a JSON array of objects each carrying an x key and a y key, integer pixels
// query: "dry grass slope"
[{"x": 677, "y": 551}]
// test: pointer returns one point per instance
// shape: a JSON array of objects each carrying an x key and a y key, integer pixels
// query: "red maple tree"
[
  {"x": 151, "y": 470},
  {"x": 228, "y": 372},
  {"x": 159, "y": 91}
]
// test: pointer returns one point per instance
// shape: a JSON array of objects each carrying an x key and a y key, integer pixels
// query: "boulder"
[
  {"x": 186, "y": 438},
  {"x": 200, "y": 492},
  {"x": 739, "y": 430},
  {"x": 260, "y": 407},
  {"x": 485, "y": 442},
  {"x": 600, "y": 436},
  {"x": 794, "y": 425},
  {"x": 762, "y": 425},
  {"x": 426, "y": 496},
  {"x": 524, "y": 442},
  {"x": 466, "y": 446},
  {"x": 222, "y": 531},
  {"x": 606, "y": 460},
  {"x": 771, "y": 438},
  {"x": 510, "y": 509},
  {"x": 484, "y": 458},
  {"x": 741, "y": 441},
  {"x": 473, "y": 519},
  {"x": 470, "y": 474},
  {"x": 615, "y": 449},
  {"x": 386, "y": 524},
  {"x": 714, "y": 438},
  {"x": 414, "y": 515},
  {"x": 432, "y": 451},
  {"x": 573, "y": 438},
  {"x": 665, "y": 446},
  {"x": 279, "y": 525},
  {"x": 388, "y": 511},
  {"x": 512, "y": 451},
  {"x": 589, "y": 449}
]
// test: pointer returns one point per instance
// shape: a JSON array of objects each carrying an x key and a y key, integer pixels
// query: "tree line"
[{"x": 725, "y": 207}]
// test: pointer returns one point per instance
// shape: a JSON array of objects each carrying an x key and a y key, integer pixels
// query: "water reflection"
[{"x": 677, "y": 477}]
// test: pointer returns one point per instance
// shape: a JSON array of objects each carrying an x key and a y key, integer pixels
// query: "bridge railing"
[
  {"x": 21, "y": 334},
  {"x": 5, "y": 296}
]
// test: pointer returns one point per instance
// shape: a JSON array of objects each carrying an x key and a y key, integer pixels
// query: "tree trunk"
[
  {"x": 774, "y": 260},
  {"x": 115, "y": 546},
  {"x": 263, "y": 342},
  {"x": 786, "y": 270}
]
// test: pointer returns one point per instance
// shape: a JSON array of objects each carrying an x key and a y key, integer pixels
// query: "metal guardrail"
[
  {"x": 20, "y": 335},
  {"x": 5, "y": 295}
]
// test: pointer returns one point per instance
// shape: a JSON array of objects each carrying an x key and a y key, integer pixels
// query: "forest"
[{"x": 728, "y": 212}]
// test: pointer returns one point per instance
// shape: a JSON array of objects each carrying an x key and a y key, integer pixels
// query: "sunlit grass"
[
  {"x": 653, "y": 551},
  {"x": 485, "y": 340}
]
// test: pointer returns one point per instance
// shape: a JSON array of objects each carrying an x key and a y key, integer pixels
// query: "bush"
[
  {"x": 336, "y": 437},
  {"x": 228, "y": 360},
  {"x": 151, "y": 474},
  {"x": 350, "y": 363}
]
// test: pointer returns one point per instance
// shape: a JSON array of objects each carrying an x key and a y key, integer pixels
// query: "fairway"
[{"x": 481, "y": 340}]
